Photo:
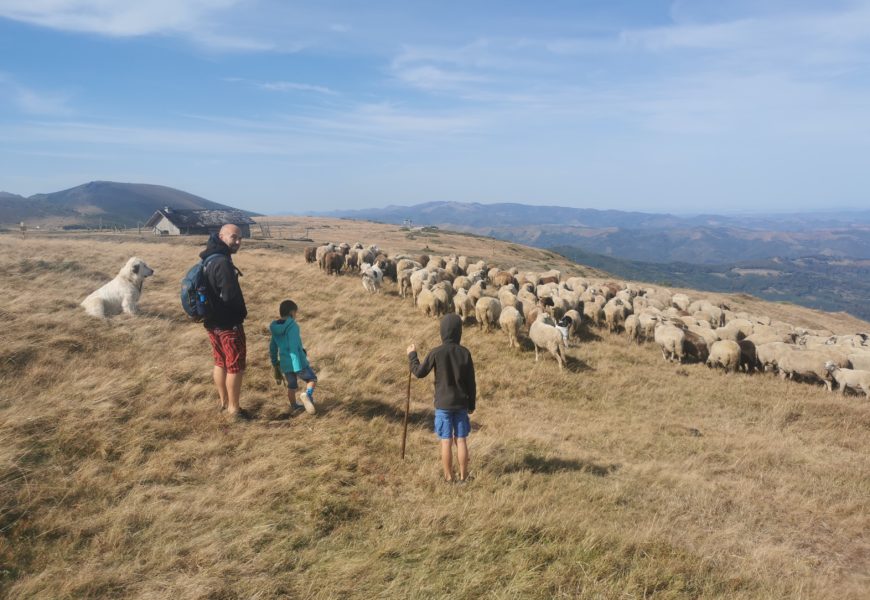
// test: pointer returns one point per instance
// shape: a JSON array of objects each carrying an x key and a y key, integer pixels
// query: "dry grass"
[{"x": 625, "y": 477}]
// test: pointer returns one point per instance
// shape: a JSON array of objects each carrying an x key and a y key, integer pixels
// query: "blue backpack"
[{"x": 194, "y": 291}]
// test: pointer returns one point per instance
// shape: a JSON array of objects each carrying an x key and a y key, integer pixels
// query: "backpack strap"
[{"x": 214, "y": 254}]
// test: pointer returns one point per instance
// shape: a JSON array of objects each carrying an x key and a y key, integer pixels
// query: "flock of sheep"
[{"x": 552, "y": 310}]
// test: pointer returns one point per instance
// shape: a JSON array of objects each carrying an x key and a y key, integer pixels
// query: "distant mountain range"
[
  {"x": 821, "y": 260},
  {"x": 649, "y": 237},
  {"x": 823, "y": 282},
  {"x": 109, "y": 202}
]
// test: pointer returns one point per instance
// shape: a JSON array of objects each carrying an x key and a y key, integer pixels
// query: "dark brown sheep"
[
  {"x": 333, "y": 262},
  {"x": 311, "y": 254}
]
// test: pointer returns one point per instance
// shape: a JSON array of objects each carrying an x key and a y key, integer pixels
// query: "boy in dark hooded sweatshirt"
[{"x": 455, "y": 392}]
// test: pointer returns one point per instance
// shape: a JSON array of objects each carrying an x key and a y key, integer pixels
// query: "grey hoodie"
[{"x": 455, "y": 386}]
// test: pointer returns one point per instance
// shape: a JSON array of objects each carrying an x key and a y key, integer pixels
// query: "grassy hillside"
[{"x": 623, "y": 477}]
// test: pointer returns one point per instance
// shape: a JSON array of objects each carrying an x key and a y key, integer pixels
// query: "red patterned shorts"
[{"x": 229, "y": 348}]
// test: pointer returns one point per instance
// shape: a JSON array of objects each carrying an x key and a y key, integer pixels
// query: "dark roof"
[{"x": 191, "y": 219}]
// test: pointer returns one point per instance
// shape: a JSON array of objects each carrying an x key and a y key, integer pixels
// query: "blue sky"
[{"x": 683, "y": 106}]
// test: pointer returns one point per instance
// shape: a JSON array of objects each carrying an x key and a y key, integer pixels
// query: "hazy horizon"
[{"x": 683, "y": 107}]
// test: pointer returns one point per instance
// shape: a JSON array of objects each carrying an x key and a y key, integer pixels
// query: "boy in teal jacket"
[{"x": 289, "y": 359}]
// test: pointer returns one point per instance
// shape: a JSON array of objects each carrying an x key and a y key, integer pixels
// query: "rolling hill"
[
  {"x": 622, "y": 477},
  {"x": 109, "y": 202}
]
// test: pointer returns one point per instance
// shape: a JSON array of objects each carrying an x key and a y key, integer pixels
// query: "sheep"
[
  {"x": 444, "y": 300},
  {"x": 670, "y": 339},
  {"x": 748, "y": 355},
  {"x": 463, "y": 305},
  {"x": 695, "y": 347},
  {"x": 487, "y": 312},
  {"x": 647, "y": 322},
  {"x": 462, "y": 282},
  {"x": 504, "y": 278},
  {"x": 615, "y": 312},
  {"x": 372, "y": 278},
  {"x": 507, "y": 298},
  {"x": 632, "y": 328},
  {"x": 418, "y": 278},
  {"x": 405, "y": 282},
  {"x": 549, "y": 338},
  {"x": 311, "y": 254},
  {"x": 594, "y": 311},
  {"x": 511, "y": 321},
  {"x": 860, "y": 360},
  {"x": 351, "y": 261},
  {"x": 850, "y": 378},
  {"x": 321, "y": 251},
  {"x": 725, "y": 354},
  {"x": 476, "y": 291},
  {"x": 333, "y": 262},
  {"x": 429, "y": 303},
  {"x": 805, "y": 364},
  {"x": 681, "y": 301},
  {"x": 768, "y": 355}
]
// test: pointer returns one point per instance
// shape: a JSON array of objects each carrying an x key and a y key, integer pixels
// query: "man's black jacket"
[
  {"x": 455, "y": 387},
  {"x": 225, "y": 294}
]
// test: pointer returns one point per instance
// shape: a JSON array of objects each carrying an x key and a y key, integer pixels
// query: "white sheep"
[
  {"x": 487, "y": 312},
  {"x": 418, "y": 279},
  {"x": 549, "y": 338},
  {"x": 463, "y": 305},
  {"x": 670, "y": 338},
  {"x": 511, "y": 321},
  {"x": 849, "y": 378},
  {"x": 429, "y": 303},
  {"x": 725, "y": 354},
  {"x": 615, "y": 312},
  {"x": 805, "y": 364}
]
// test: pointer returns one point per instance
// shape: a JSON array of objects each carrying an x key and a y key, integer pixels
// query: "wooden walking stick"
[{"x": 407, "y": 410}]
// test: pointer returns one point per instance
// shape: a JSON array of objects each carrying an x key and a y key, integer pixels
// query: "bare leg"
[
  {"x": 220, "y": 382},
  {"x": 447, "y": 459},
  {"x": 234, "y": 390},
  {"x": 462, "y": 457}
]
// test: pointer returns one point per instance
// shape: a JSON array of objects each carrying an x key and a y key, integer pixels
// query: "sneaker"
[
  {"x": 296, "y": 407},
  {"x": 308, "y": 403}
]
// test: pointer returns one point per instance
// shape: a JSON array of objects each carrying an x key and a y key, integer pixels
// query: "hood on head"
[
  {"x": 451, "y": 329},
  {"x": 281, "y": 325},
  {"x": 214, "y": 245}
]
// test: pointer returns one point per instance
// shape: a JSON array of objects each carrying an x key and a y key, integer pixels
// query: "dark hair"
[{"x": 287, "y": 307}]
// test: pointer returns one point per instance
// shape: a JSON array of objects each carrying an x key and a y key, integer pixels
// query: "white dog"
[
  {"x": 122, "y": 293},
  {"x": 372, "y": 278}
]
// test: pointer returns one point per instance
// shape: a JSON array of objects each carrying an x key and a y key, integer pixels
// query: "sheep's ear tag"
[{"x": 136, "y": 268}]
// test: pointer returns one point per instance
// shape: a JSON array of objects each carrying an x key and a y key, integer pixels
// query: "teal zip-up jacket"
[{"x": 285, "y": 348}]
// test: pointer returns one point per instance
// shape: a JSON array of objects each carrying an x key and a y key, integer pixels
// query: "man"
[{"x": 225, "y": 321}]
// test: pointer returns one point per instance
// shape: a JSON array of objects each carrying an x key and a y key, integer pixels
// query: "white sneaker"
[{"x": 307, "y": 403}]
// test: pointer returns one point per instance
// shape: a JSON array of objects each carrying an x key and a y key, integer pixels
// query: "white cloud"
[
  {"x": 291, "y": 86},
  {"x": 33, "y": 102},
  {"x": 125, "y": 18}
]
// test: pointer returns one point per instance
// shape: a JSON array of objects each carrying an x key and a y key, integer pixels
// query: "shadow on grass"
[
  {"x": 369, "y": 409},
  {"x": 173, "y": 316},
  {"x": 536, "y": 463},
  {"x": 587, "y": 335}
]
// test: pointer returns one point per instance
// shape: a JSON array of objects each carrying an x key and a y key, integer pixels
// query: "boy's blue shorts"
[
  {"x": 307, "y": 375},
  {"x": 452, "y": 423}
]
